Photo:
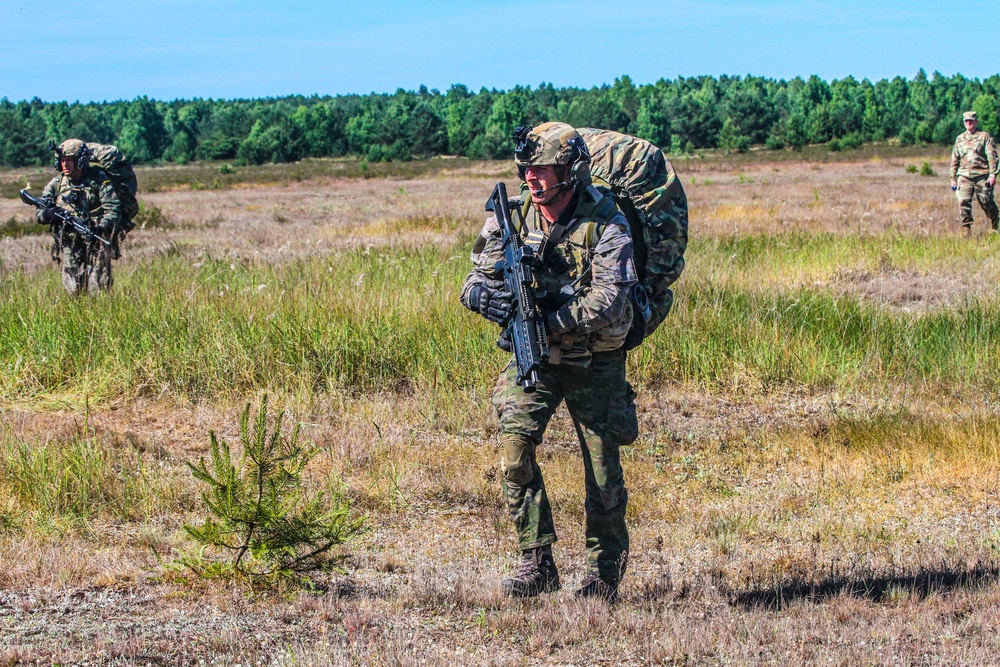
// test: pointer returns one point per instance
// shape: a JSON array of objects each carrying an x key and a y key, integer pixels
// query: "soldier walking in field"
[
  {"x": 86, "y": 192},
  {"x": 974, "y": 171},
  {"x": 584, "y": 271}
]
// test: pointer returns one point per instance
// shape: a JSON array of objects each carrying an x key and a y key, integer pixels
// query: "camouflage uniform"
[
  {"x": 583, "y": 288},
  {"x": 973, "y": 160},
  {"x": 652, "y": 198},
  {"x": 86, "y": 265}
]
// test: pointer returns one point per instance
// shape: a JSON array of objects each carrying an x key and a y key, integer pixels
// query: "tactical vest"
[{"x": 565, "y": 270}]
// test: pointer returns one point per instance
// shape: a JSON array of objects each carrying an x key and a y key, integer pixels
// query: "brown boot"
[
  {"x": 966, "y": 230},
  {"x": 536, "y": 574},
  {"x": 594, "y": 586}
]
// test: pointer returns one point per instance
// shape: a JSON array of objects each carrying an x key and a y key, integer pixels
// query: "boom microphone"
[{"x": 539, "y": 193}]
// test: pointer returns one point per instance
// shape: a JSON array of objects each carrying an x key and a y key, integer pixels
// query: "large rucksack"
[
  {"x": 119, "y": 170},
  {"x": 649, "y": 194}
]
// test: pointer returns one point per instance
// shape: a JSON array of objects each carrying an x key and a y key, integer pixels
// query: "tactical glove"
[
  {"x": 105, "y": 229},
  {"x": 492, "y": 301},
  {"x": 49, "y": 214}
]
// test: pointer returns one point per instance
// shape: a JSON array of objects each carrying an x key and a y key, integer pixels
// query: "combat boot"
[
  {"x": 536, "y": 574},
  {"x": 594, "y": 586}
]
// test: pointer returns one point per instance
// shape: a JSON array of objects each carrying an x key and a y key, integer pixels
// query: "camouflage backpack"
[
  {"x": 119, "y": 170},
  {"x": 649, "y": 194}
]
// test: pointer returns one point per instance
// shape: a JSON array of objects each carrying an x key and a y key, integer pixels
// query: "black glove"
[
  {"x": 49, "y": 214},
  {"x": 105, "y": 229},
  {"x": 492, "y": 301}
]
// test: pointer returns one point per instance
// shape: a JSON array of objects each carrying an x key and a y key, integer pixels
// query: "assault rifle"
[
  {"x": 526, "y": 329},
  {"x": 79, "y": 225}
]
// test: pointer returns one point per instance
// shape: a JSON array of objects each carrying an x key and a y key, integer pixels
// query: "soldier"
[
  {"x": 974, "y": 171},
  {"x": 87, "y": 192},
  {"x": 584, "y": 274}
]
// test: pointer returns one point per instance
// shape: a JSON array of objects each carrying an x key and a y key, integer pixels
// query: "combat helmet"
[
  {"x": 72, "y": 148},
  {"x": 553, "y": 144}
]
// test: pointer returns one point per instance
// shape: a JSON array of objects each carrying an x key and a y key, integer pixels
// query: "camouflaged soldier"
[
  {"x": 87, "y": 192},
  {"x": 584, "y": 274},
  {"x": 974, "y": 171}
]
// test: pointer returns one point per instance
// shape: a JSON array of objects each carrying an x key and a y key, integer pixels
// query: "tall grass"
[
  {"x": 389, "y": 319},
  {"x": 82, "y": 477}
]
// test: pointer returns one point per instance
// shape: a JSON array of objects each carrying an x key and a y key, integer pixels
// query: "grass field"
[{"x": 816, "y": 479}]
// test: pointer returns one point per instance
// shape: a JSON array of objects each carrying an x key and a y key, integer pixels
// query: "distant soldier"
[
  {"x": 87, "y": 192},
  {"x": 974, "y": 171}
]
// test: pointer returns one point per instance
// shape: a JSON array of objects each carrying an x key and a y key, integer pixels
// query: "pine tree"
[{"x": 259, "y": 512}]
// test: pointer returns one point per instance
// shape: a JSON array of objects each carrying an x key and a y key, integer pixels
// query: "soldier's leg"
[
  {"x": 74, "y": 268},
  {"x": 602, "y": 405},
  {"x": 99, "y": 277},
  {"x": 523, "y": 418},
  {"x": 984, "y": 193},
  {"x": 965, "y": 193}
]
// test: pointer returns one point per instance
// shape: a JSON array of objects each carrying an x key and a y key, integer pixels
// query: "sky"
[{"x": 97, "y": 50}]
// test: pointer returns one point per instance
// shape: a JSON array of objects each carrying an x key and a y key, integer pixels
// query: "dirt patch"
[{"x": 911, "y": 291}]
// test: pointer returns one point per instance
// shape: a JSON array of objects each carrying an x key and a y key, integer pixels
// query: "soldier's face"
[
  {"x": 68, "y": 166},
  {"x": 971, "y": 124},
  {"x": 542, "y": 179}
]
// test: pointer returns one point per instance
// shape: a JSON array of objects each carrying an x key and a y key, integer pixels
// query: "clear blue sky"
[{"x": 167, "y": 49}]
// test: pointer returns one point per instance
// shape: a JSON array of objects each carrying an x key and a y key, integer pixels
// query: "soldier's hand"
[
  {"x": 104, "y": 230},
  {"x": 954, "y": 184},
  {"x": 992, "y": 180},
  {"x": 492, "y": 301},
  {"x": 49, "y": 214}
]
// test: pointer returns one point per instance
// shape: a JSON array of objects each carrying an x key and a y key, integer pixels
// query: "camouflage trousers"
[
  {"x": 602, "y": 405},
  {"x": 978, "y": 188},
  {"x": 85, "y": 267}
]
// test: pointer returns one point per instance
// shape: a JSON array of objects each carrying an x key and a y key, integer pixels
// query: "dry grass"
[{"x": 792, "y": 524}]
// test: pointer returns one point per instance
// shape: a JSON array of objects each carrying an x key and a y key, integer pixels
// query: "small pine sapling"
[{"x": 258, "y": 511}]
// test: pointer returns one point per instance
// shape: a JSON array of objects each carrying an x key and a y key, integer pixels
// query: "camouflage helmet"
[
  {"x": 73, "y": 148},
  {"x": 552, "y": 144}
]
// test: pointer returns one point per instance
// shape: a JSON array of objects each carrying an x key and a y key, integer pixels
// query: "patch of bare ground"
[{"x": 794, "y": 526}]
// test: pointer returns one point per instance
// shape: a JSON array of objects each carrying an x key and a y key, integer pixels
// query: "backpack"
[
  {"x": 649, "y": 194},
  {"x": 119, "y": 170}
]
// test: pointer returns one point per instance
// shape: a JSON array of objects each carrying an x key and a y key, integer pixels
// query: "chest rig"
[{"x": 565, "y": 254}]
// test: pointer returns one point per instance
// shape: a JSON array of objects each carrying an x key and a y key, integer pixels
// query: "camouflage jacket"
[
  {"x": 93, "y": 198},
  {"x": 583, "y": 284},
  {"x": 974, "y": 155}
]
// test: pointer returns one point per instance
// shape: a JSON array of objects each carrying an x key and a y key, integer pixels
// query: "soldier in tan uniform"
[{"x": 974, "y": 171}]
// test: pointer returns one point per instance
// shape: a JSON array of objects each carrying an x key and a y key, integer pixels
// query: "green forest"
[{"x": 681, "y": 115}]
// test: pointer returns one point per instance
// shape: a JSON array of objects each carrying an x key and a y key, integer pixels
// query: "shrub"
[
  {"x": 912, "y": 169},
  {"x": 259, "y": 512},
  {"x": 152, "y": 216},
  {"x": 926, "y": 169},
  {"x": 852, "y": 140}
]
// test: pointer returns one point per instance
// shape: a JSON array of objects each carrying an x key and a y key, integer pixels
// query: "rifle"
[
  {"x": 526, "y": 329},
  {"x": 80, "y": 225}
]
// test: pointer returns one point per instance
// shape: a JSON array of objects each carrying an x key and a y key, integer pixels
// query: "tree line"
[{"x": 680, "y": 115}]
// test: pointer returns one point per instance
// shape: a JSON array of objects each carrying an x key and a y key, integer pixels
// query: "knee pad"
[{"x": 517, "y": 460}]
